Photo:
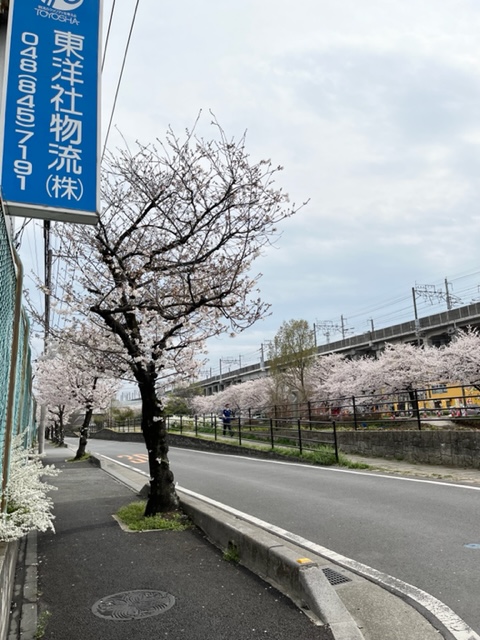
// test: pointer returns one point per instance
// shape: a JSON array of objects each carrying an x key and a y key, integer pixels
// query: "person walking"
[{"x": 227, "y": 420}]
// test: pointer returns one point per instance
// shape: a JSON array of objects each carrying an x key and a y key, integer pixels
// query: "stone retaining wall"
[{"x": 452, "y": 448}]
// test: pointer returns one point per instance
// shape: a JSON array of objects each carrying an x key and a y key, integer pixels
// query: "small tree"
[
  {"x": 28, "y": 506},
  {"x": 290, "y": 356},
  {"x": 169, "y": 265}
]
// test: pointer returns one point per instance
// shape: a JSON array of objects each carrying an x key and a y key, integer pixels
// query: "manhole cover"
[
  {"x": 334, "y": 577},
  {"x": 133, "y": 605}
]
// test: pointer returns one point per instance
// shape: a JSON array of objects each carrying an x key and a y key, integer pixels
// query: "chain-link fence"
[{"x": 16, "y": 400}]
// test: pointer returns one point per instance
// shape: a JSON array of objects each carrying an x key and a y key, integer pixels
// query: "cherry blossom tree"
[
  {"x": 52, "y": 391},
  {"x": 169, "y": 264},
  {"x": 459, "y": 362},
  {"x": 66, "y": 381}
]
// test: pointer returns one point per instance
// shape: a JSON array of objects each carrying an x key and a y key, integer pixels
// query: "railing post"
[
  {"x": 239, "y": 430},
  {"x": 417, "y": 408},
  {"x": 196, "y": 425},
  {"x": 355, "y": 424},
  {"x": 335, "y": 441},
  {"x": 299, "y": 436},
  {"x": 271, "y": 434},
  {"x": 215, "y": 425},
  {"x": 309, "y": 409},
  {"x": 181, "y": 424}
]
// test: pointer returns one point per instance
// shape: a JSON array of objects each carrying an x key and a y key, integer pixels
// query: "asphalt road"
[{"x": 414, "y": 530}]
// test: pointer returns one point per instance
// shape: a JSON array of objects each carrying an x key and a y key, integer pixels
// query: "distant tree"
[
  {"x": 176, "y": 406},
  {"x": 290, "y": 356},
  {"x": 402, "y": 367},
  {"x": 459, "y": 362},
  {"x": 169, "y": 264},
  {"x": 52, "y": 391},
  {"x": 326, "y": 376},
  {"x": 67, "y": 381}
]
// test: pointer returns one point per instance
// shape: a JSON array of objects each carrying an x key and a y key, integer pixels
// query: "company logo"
[{"x": 63, "y": 5}]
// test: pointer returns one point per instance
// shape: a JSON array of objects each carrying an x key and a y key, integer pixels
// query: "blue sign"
[{"x": 51, "y": 108}]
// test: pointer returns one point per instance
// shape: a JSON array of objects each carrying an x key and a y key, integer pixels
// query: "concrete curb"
[{"x": 282, "y": 565}]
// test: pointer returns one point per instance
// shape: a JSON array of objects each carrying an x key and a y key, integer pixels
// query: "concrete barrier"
[{"x": 8, "y": 563}]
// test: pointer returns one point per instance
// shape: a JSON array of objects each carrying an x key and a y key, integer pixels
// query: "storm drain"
[
  {"x": 334, "y": 577},
  {"x": 133, "y": 605}
]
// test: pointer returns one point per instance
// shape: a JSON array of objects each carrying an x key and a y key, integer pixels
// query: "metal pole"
[
  {"x": 299, "y": 436},
  {"x": 355, "y": 423},
  {"x": 335, "y": 442},
  {"x": 271, "y": 433},
  {"x": 417, "y": 408},
  {"x": 447, "y": 296}
]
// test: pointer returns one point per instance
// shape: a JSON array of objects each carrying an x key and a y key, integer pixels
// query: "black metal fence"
[
  {"x": 313, "y": 426},
  {"x": 261, "y": 430}
]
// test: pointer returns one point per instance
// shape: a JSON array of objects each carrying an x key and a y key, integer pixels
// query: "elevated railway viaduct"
[{"x": 435, "y": 330}]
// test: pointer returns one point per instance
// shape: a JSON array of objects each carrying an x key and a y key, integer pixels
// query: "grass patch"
[
  {"x": 86, "y": 456},
  {"x": 320, "y": 454},
  {"x": 42, "y": 624},
  {"x": 231, "y": 553},
  {"x": 132, "y": 515}
]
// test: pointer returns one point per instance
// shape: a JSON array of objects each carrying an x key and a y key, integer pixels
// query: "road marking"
[
  {"x": 122, "y": 464},
  {"x": 136, "y": 458}
]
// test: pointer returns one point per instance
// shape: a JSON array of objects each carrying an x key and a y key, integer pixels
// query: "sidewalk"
[
  {"x": 420, "y": 470},
  {"x": 197, "y": 594}
]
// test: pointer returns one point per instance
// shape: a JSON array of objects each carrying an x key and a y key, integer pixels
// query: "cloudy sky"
[{"x": 373, "y": 109}]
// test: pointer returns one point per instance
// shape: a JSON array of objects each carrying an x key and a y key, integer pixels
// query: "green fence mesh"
[
  {"x": 7, "y": 305},
  {"x": 23, "y": 416}
]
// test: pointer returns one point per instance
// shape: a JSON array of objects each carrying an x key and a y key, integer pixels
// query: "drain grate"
[
  {"x": 133, "y": 605},
  {"x": 334, "y": 577}
]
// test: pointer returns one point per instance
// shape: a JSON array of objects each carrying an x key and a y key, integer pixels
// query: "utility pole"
[
  {"x": 47, "y": 254},
  {"x": 447, "y": 296}
]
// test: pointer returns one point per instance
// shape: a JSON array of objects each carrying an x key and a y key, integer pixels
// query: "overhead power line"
[
  {"x": 108, "y": 34},
  {"x": 120, "y": 77}
]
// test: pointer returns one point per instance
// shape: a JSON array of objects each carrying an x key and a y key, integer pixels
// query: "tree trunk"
[
  {"x": 82, "y": 445},
  {"x": 61, "y": 430},
  {"x": 162, "y": 496}
]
